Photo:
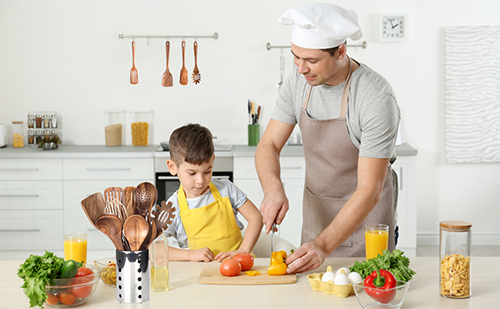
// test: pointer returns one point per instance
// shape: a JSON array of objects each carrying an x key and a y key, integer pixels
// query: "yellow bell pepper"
[{"x": 277, "y": 266}]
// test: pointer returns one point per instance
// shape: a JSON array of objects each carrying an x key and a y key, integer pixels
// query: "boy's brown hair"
[{"x": 192, "y": 144}]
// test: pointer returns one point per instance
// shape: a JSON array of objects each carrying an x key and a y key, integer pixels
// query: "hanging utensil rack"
[
  {"x": 214, "y": 36},
  {"x": 362, "y": 45}
]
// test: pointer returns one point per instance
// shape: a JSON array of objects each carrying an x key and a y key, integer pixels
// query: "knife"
[{"x": 272, "y": 238}]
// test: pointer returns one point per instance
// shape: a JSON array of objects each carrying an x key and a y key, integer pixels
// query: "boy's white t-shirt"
[{"x": 225, "y": 187}]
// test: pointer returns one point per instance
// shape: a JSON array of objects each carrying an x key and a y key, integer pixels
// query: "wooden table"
[{"x": 186, "y": 292}]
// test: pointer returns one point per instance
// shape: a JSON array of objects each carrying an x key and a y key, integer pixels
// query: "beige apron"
[
  {"x": 212, "y": 226},
  {"x": 331, "y": 179}
]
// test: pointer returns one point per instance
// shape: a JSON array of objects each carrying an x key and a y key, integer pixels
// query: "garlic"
[{"x": 328, "y": 275}]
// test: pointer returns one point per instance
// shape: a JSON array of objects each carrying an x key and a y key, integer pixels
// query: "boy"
[{"x": 205, "y": 208}]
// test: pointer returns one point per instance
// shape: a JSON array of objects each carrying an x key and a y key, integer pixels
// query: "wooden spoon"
[
  {"x": 111, "y": 226},
  {"x": 196, "y": 72},
  {"x": 184, "y": 72},
  {"x": 128, "y": 193},
  {"x": 151, "y": 235},
  {"x": 136, "y": 230},
  {"x": 93, "y": 206},
  {"x": 166, "y": 79},
  {"x": 134, "y": 75},
  {"x": 145, "y": 197}
]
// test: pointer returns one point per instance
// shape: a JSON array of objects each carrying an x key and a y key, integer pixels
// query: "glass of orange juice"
[
  {"x": 376, "y": 239},
  {"x": 75, "y": 247}
]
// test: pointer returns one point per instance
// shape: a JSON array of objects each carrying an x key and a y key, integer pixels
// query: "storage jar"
[
  {"x": 141, "y": 124},
  {"x": 17, "y": 134},
  {"x": 454, "y": 256},
  {"x": 114, "y": 127}
]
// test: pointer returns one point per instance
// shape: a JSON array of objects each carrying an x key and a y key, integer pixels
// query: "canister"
[
  {"x": 114, "y": 127},
  {"x": 142, "y": 128},
  {"x": 455, "y": 259},
  {"x": 17, "y": 134}
]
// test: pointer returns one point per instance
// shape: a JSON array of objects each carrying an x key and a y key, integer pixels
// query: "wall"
[{"x": 66, "y": 56}]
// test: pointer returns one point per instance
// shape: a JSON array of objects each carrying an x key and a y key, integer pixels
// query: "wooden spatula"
[
  {"x": 196, "y": 72},
  {"x": 166, "y": 79},
  {"x": 134, "y": 75},
  {"x": 184, "y": 72}
]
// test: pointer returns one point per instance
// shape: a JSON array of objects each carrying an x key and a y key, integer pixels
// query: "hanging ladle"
[{"x": 136, "y": 230}]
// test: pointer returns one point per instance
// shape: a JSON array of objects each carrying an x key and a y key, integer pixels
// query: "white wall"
[{"x": 65, "y": 56}]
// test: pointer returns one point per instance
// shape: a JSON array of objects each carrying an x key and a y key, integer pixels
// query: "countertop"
[
  {"x": 186, "y": 292},
  {"x": 94, "y": 151}
]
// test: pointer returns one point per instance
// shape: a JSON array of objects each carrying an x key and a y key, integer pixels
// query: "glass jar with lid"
[
  {"x": 31, "y": 137},
  {"x": 114, "y": 126},
  {"x": 141, "y": 122},
  {"x": 31, "y": 121},
  {"x": 17, "y": 134},
  {"x": 455, "y": 260}
]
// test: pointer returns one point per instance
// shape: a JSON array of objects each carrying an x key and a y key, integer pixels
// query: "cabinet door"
[
  {"x": 30, "y": 169},
  {"x": 37, "y": 195},
  {"x": 31, "y": 230}
]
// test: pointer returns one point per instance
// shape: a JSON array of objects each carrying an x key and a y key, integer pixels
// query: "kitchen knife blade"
[{"x": 272, "y": 238}]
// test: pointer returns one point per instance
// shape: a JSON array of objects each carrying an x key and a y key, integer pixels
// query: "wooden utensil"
[
  {"x": 145, "y": 195},
  {"x": 111, "y": 226},
  {"x": 211, "y": 275},
  {"x": 163, "y": 214},
  {"x": 93, "y": 206},
  {"x": 134, "y": 75},
  {"x": 196, "y": 72},
  {"x": 115, "y": 202},
  {"x": 136, "y": 230},
  {"x": 128, "y": 193},
  {"x": 151, "y": 235},
  {"x": 166, "y": 79},
  {"x": 184, "y": 72}
]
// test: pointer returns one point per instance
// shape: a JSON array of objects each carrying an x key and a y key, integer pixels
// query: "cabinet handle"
[
  {"x": 291, "y": 168},
  {"x": 31, "y": 230},
  {"x": 220, "y": 177},
  {"x": 168, "y": 177},
  {"x": 400, "y": 178},
  {"x": 94, "y": 169},
  {"x": 19, "y": 195},
  {"x": 20, "y": 169}
]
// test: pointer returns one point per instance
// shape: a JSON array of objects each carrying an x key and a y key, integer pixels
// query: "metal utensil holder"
[{"x": 132, "y": 276}]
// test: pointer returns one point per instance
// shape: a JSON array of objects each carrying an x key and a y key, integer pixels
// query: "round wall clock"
[{"x": 393, "y": 27}]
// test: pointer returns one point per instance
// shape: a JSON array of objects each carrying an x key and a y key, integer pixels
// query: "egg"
[
  {"x": 353, "y": 277},
  {"x": 341, "y": 279},
  {"x": 328, "y": 275},
  {"x": 343, "y": 270}
]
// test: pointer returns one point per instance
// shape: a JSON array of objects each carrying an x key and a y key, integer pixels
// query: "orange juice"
[
  {"x": 75, "y": 249},
  {"x": 376, "y": 241}
]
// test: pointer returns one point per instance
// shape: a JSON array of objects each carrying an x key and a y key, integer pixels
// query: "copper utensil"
[
  {"x": 196, "y": 72},
  {"x": 145, "y": 196},
  {"x": 111, "y": 226},
  {"x": 128, "y": 193},
  {"x": 166, "y": 79},
  {"x": 163, "y": 214},
  {"x": 136, "y": 230},
  {"x": 115, "y": 200},
  {"x": 93, "y": 206},
  {"x": 134, "y": 75},
  {"x": 184, "y": 72}
]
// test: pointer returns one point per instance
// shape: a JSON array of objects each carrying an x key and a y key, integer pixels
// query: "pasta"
[
  {"x": 140, "y": 133},
  {"x": 455, "y": 276}
]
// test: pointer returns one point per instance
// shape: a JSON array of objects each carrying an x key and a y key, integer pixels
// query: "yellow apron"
[{"x": 212, "y": 226}]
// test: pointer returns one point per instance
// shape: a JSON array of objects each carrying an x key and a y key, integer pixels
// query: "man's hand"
[
  {"x": 201, "y": 255},
  {"x": 273, "y": 208},
  {"x": 306, "y": 258}
]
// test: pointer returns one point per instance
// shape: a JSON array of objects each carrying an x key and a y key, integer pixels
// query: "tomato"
[
  {"x": 51, "y": 299},
  {"x": 245, "y": 259},
  {"x": 66, "y": 298},
  {"x": 230, "y": 268},
  {"x": 81, "y": 291},
  {"x": 84, "y": 271}
]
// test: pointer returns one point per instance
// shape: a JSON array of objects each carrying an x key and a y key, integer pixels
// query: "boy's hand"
[
  {"x": 201, "y": 255},
  {"x": 227, "y": 255}
]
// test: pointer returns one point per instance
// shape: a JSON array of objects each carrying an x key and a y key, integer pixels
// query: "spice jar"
[
  {"x": 38, "y": 121},
  {"x": 46, "y": 121},
  {"x": 31, "y": 137},
  {"x": 454, "y": 256},
  {"x": 54, "y": 121},
  {"x": 17, "y": 134},
  {"x": 31, "y": 121},
  {"x": 38, "y": 136}
]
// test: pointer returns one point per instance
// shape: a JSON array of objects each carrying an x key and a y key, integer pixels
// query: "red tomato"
[
  {"x": 81, "y": 291},
  {"x": 230, "y": 268},
  {"x": 245, "y": 259},
  {"x": 84, "y": 271}
]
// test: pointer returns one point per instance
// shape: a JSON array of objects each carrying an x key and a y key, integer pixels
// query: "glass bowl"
[
  {"x": 72, "y": 291},
  {"x": 108, "y": 270},
  {"x": 395, "y": 297}
]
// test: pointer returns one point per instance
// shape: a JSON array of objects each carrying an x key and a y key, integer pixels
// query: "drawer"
[
  {"x": 291, "y": 167},
  {"x": 108, "y": 168},
  {"x": 36, "y": 195},
  {"x": 30, "y": 169},
  {"x": 31, "y": 230}
]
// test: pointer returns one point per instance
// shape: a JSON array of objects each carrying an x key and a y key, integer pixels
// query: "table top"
[{"x": 186, "y": 292}]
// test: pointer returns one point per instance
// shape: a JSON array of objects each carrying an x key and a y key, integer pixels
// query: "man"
[{"x": 348, "y": 118}]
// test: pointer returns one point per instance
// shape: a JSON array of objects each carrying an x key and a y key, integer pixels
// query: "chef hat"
[{"x": 321, "y": 25}]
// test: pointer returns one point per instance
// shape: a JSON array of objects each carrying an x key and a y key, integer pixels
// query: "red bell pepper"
[{"x": 380, "y": 286}]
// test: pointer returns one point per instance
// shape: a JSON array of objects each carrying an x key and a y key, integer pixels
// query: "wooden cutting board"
[{"x": 211, "y": 275}]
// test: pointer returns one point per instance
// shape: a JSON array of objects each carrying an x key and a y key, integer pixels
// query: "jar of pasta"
[
  {"x": 454, "y": 256},
  {"x": 141, "y": 122},
  {"x": 17, "y": 134}
]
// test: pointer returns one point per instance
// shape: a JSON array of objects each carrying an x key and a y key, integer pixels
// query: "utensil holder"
[
  {"x": 132, "y": 276},
  {"x": 253, "y": 134}
]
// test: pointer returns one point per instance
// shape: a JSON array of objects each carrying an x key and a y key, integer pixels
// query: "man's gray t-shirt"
[{"x": 372, "y": 111}]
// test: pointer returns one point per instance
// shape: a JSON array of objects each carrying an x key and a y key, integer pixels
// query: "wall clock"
[{"x": 393, "y": 27}]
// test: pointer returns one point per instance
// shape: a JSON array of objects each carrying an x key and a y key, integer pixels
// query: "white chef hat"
[{"x": 321, "y": 25}]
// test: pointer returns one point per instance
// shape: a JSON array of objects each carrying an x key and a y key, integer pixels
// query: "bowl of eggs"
[{"x": 336, "y": 283}]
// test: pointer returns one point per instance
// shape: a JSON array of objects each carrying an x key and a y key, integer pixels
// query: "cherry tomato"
[
  {"x": 84, "y": 272},
  {"x": 51, "y": 299},
  {"x": 66, "y": 298},
  {"x": 245, "y": 259},
  {"x": 230, "y": 268},
  {"x": 81, "y": 291}
]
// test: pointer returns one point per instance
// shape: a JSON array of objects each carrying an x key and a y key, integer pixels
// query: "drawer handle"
[
  {"x": 32, "y": 230},
  {"x": 221, "y": 177},
  {"x": 291, "y": 168},
  {"x": 93, "y": 169},
  {"x": 19, "y": 169},
  {"x": 168, "y": 177},
  {"x": 19, "y": 195}
]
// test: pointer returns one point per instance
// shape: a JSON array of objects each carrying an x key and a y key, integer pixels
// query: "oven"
[{"x": 167, "y": 184}]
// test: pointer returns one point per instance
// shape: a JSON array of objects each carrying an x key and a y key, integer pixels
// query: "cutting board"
[{"x": 211, "y": 275}]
